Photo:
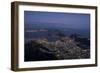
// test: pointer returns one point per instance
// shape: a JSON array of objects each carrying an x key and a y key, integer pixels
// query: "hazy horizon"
[{"x": 56, "y": 19}]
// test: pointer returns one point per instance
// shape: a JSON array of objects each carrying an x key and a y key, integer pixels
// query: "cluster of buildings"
[{"x": 65, "y": 48}]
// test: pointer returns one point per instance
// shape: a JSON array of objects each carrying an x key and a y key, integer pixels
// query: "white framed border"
[{"x": 33, "y": 64}]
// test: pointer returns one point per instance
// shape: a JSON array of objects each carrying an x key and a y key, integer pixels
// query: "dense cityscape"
[{"x": 66, "y": 47}]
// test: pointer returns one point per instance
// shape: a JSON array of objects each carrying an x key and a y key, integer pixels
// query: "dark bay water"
[{"x": 51, "y": 34}]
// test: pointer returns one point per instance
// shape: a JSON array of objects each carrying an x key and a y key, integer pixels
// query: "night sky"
[{"x": 70, "y": 20}]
